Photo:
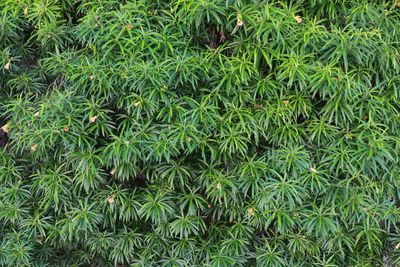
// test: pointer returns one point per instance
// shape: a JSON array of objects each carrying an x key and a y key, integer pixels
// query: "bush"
[{"x": 199, "y": 133}]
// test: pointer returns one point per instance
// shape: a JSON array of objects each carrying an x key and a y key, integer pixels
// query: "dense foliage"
[{"x": 199, "y": 133}]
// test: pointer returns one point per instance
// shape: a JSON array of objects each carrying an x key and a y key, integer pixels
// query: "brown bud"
[
  {"x": 129, "y": 26},
  {"x": 66, "y": 128},
  {"x": 222, "y": 37}
]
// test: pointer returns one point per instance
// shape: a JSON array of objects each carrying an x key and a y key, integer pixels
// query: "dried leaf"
[
  {"x": 5, "y": 128},
  {"x": 239, "y": 20},
  {"x": 299, "y": 19},
  {"x": 251, "y": 212},
  {"x": 7, "y": 66},
  {"x": 34, "y": 147},
  {"x": 111, "y": 199},
  {"x": 93, "y": 118}
]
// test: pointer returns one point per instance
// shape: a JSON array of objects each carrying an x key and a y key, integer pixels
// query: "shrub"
[{"x": 199, "y": 133}]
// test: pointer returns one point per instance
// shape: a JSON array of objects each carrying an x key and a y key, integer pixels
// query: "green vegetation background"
[{"x": 199, "y": 133}]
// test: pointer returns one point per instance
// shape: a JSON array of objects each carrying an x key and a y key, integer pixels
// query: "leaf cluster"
[{"x": 199, "y": 133}]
